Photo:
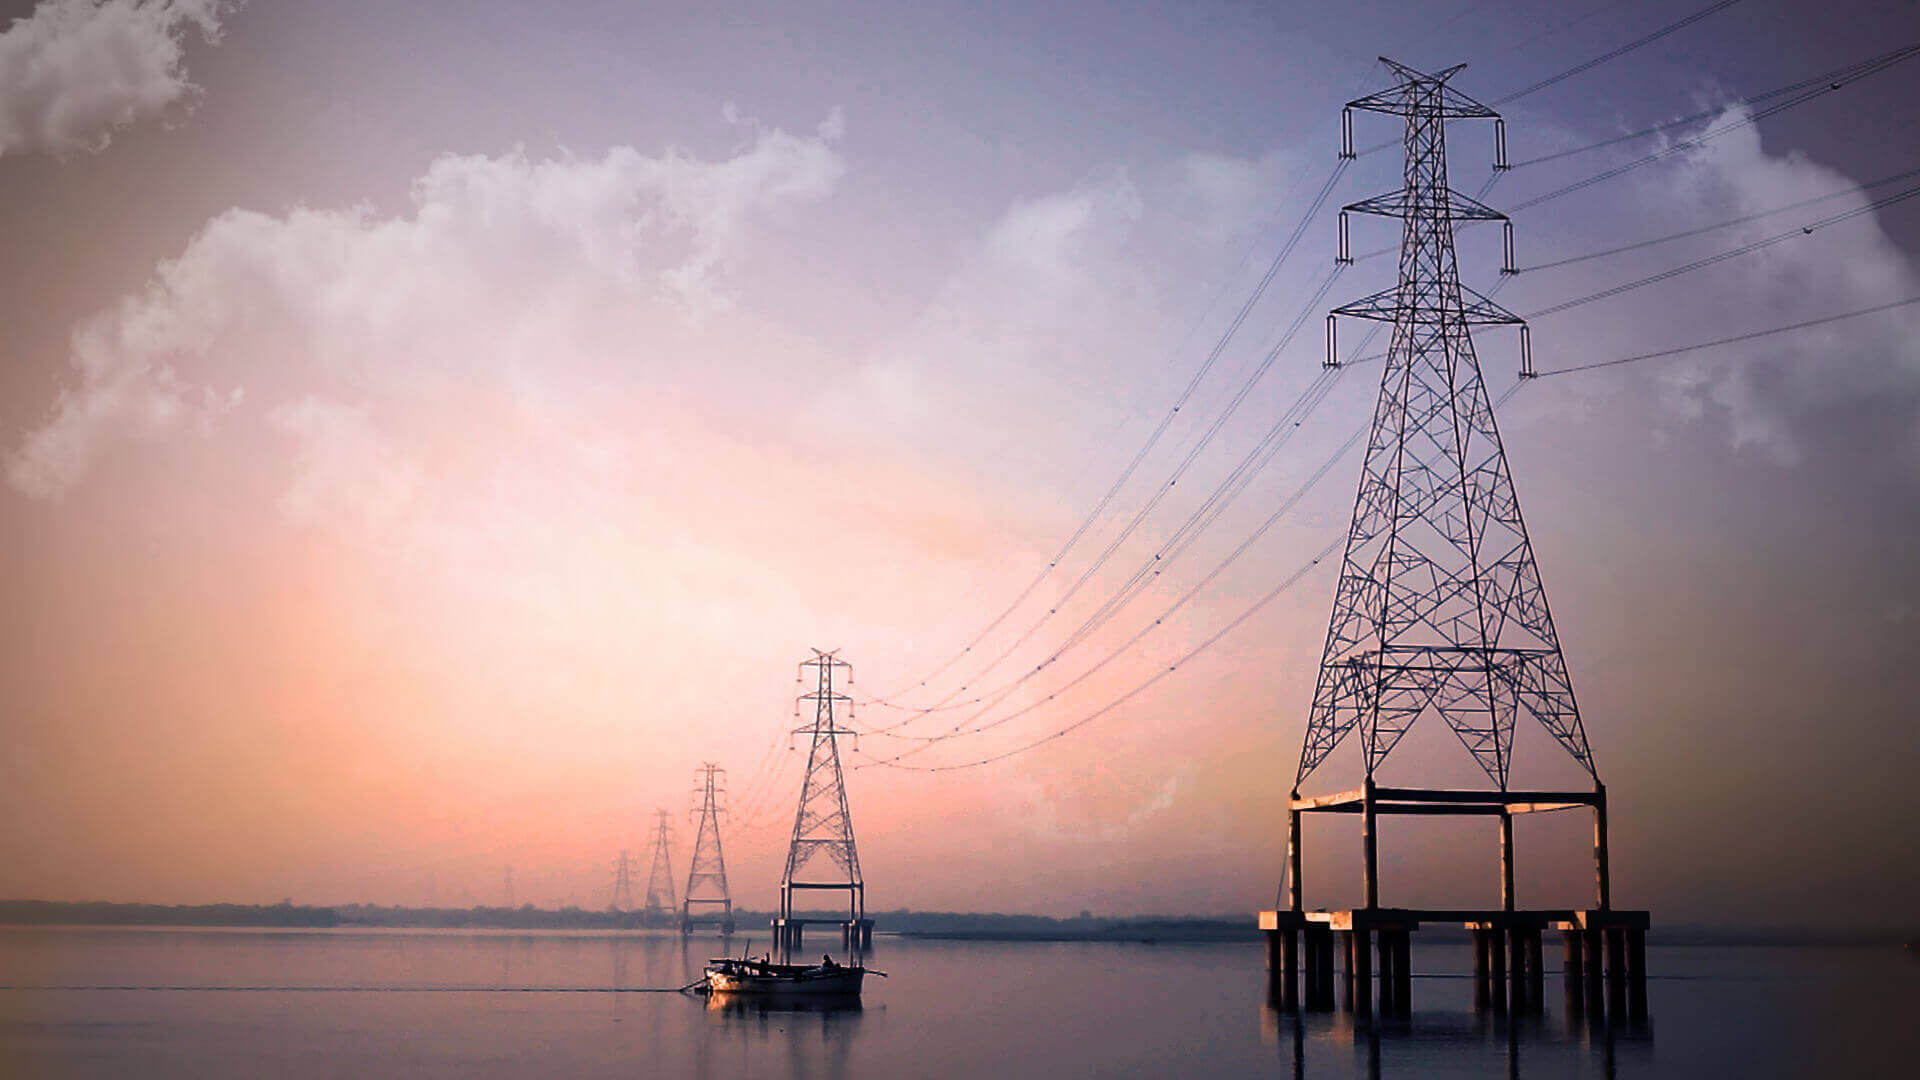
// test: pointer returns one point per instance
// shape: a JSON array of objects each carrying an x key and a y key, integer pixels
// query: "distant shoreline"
[{"x": 921, "y": 925}]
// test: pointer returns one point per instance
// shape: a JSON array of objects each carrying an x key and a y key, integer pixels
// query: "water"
[{"x": 293, "y": 1005}]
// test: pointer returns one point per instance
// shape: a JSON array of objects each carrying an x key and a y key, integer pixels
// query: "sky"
[{"x": 431, "y": 431}]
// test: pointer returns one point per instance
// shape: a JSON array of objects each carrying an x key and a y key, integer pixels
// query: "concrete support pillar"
[
  {"x": 1293, "y": 858},
  {"x": 1290, "y": 963},
  {"x": 1403, "y": 971},
  {"x": 1319, "y": 973},
  {"x": 1519, "y": 983},
  {"x": 1506, "y": 860},
  {"x": 1616, "y": 971},
  {"x": 1362, "y": 957},
  {"x": 1603, "y": 883},
  {"x": 1344, "y": 942},
  {"x": 1369, "y": 845},
  {"x": 1637, "y": 974},
  {"x": 1595, "y": 966},
  {"x": 1388, "y": 1006},
  {"x": 1497, "y": 968},
  {"x": 1536, "y": 973},
  {"x": 1482, "y": 969}
]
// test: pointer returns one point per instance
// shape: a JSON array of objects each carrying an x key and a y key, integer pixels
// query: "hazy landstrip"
[{"x": 929, "y": 925}]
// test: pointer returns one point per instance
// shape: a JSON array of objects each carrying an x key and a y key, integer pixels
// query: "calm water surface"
[{"x": 478, "y": 1005}]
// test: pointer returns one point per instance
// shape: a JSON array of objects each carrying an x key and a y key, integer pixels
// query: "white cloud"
[
  {"x": 1826, "y": 387},
  {"x": 505, "y": 265},
  {"x": 74, "y": 71}
]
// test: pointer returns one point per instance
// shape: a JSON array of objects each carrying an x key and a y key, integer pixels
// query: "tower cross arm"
[
  {"x": 1429, "y": 95},
  {"x": 1388, "y": 306},
  {"x": 1402, "y": 204}
]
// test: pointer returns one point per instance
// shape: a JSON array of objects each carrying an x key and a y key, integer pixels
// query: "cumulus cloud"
[
  {"x": 1839, "y": 391},
  {"x": 1855, "y": 382},
  {"x": 75, "y": 71},
  {"x": 504, "y": 265}
]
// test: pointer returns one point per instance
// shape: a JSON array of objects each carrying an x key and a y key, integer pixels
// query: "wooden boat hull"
[{"x": 809, "y": 983}]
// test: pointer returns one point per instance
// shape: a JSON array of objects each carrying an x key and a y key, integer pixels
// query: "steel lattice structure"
[
  {"x": 660, "y": 899},
  {"x": 1439, "y": 607},
  {"x": 707, "y": 874},
  {"x": 622, "y": 884},
  {"x": 822, "y": 825}
]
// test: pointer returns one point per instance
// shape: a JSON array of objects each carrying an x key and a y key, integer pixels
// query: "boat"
[{"x": 740, "y": 975}]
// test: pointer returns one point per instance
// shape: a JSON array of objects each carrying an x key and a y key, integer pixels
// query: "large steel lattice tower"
[
  {"x": 1439, "y": 608},
  {"x": 707, "y": 874},
  {"x": 822, "y": 854},
  {"x": 660, "y": 901}
]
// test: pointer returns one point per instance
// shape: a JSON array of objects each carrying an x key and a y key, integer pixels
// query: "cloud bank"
[
  {"x": 75, "y": 71},
  {"x": 505, "y": 264}
]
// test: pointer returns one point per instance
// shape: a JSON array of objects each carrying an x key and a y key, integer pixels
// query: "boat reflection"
[{"x": 763, "y": 1005}]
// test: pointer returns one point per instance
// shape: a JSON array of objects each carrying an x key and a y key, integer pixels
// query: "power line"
[
  {"x": 1729, "y": 223},
  {"x": 1804, "y": 230},
  {"x": 1630, "y": 46},
  {"x": 1166, "y": 421},
  {"x": 1246, "y": 388},
  {"x": 1582, "y": 68},
  {"x": 1828, "y": 81},
  {"x": 1872, "y": 67},
  {"x": 1735, "y": 339},
  {"x": 1143, "y": 687},
  {"x": 1257, "y": 459},
  {"x": 1287, "y": 505}
]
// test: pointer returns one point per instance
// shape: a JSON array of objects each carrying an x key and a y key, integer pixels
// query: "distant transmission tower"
[
  {"x": 622, "y": 884},
  {"x": 660, "y": 901},
  {"x": 707, "y": 875},
  {"x": 822, "y": 853}
]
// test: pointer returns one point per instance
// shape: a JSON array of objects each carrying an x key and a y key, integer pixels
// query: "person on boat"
[{"x": 826, "y": 962}]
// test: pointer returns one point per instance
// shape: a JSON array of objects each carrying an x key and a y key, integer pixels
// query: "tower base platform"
[{"x": 1604, "y": 967}]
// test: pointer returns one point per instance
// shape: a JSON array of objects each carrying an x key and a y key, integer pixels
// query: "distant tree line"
[{"x": 57, "y": 913}]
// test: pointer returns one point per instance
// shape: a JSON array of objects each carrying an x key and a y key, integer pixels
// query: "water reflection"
[{"x": 1364, "y": 1042}]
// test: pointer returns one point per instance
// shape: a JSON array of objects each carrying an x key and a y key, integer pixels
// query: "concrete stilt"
[
  {"x": 1616, "y": 971},
  {"x": 1361, "y": 955},
  {"x": 1289, "y": 964},
  {"x": 1497, "y": 969},
  {"x": 1637, "y": 974},
  {"x": 1482, "y": 969},
  {"x": 1572, "y": 972},
  {"x": 1389, "y": 1005},
  {"x": 1595, "y": 967},
  {"x": 1536, "y": 974},
  {"x": 1403, "y": 971},
  {"x": 1326, "y": 969},
  {"x": 1520, "y": 981}
]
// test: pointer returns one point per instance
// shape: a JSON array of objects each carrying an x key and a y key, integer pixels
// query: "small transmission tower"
[
  {"x": 707, "y": 875},
  {"x": 660, "y": 901},
  {"x": 822, "y": 825},
  {"x": 622, "y": 884}
]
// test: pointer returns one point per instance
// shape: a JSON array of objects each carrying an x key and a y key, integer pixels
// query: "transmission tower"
[
  {"x": 1439, "y": 607},
  {"x": 660, "y": 901},
  {"x": 707, "y": 875},
  {"x": 822, "y": 825},
  {"x": 622, "y": 884}
]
